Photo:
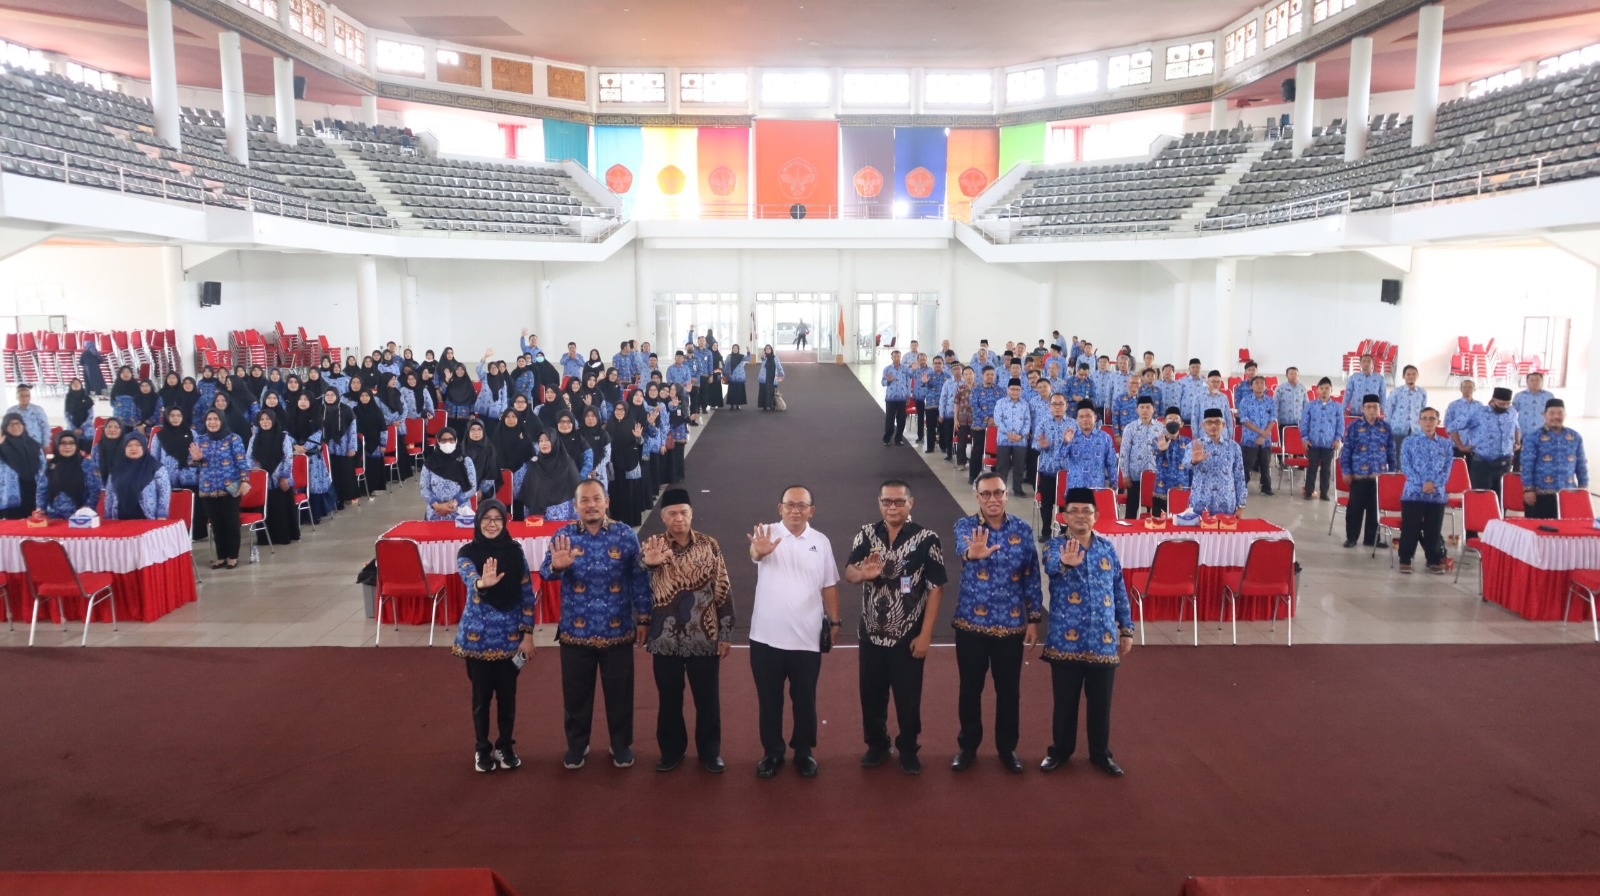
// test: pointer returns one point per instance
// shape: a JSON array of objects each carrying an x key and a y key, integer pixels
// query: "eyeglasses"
[
  {"x": 992, "y": 494},
  {"x": 893, "y": 502},
  {"x": 794, "y": 505},
  {"x": 491, "y": 520}
]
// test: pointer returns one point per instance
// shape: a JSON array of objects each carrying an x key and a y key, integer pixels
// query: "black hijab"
[
  {"x": 110, "y": 448},
  {"x": 506, "y": 552},
  {"x": 546, "y": 373},
  {"x": 303, "y": 423},
  {"x": 79, "y": 404},
  {"x": 418, "y": 393},
  {"x": 336, "y": 420},
  {"x": 494, "y": 380},
  {"x": 128, "y": 387},
  {"x": 369, "y": 423},
  {"x": 20, "y": 453},
  {"x": 459, "y": 390},
  {"x": 594, "y": 436},
  {"x": 482, "y": 453},
  {"x": 389, "y": 394},
  {"x": 448, "y": 466},
  {"x": 132, "y": 476},
  {"x": 595, "y": 365},
  {"x": 64, "y": 475},
  {"x": 232, "y": 415},
  {"x": 222, "y": 432},
  {"x": 770, "y": 362},
  {"x": 549, "y": 479},
  {"x": 171, "y": 394},
  {"x": 512, "y": 445},
  {"x": 280, "y": 413},
  {"x": 610, "y": 389},
  {"x": 267, "y": 447},
  {"x": 571, "y": 442},
  {"x": 175, "y": 440},
  {"x": 550, "y": 409},
  {"x": 626, "y": 450}
]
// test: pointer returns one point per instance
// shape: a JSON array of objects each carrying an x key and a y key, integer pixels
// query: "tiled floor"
[{"x": 306, "y": 595}]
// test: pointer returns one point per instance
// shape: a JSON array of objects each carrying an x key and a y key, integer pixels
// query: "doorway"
[
  {"x": 801, "y": 326},
  {"x": 691, "y": 314},
  {"x": 886, "y": 321}
]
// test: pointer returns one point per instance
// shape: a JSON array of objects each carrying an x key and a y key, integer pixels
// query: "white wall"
[{"x": 97, "y": 289}]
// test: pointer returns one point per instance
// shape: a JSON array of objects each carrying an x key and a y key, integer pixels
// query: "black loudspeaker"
[
  {"x": 1288, "y": 90},
  {"x": 299, "y": 87},
  {"x": 210, "y": 294},
  {"x": 797, "y": 211},
  {"x": 1391, "y": 292}
]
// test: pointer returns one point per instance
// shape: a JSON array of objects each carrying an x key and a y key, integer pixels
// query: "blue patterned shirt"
[
  {"x": 1491, "y": 436},
  {"x": 1322, "y": 423},
  {"x": 1423, "y": 460},
  {"x": 1012, "y": 418},
  {"x": 1261, "y": 412},
  {"x": 680, "y": 374},
  {"x": 1218, "y": 481},
  {"x": 1359, "y": 385},
  {"x": 35, "y": 420},
  {"x": 1553, "y": 459},
  {"x": 1368, "y": 448},
  {"x": 1529, "y": 408},
  {"x": 1291, "y": 401},
  {"x": 1089, "y": 606},
  {"x": 897, "y": 382},
  {"x": 1460, "y": 413},
  {"x": 11, "y": 485},
  {"x": 1205, "y": 402},
  {"x": 1124, "y": 410},
  {"x": 983, "y": 402},
  {"x": 1139, "y": 447},
  {"x": 930, "y": 386},
  {"x": 1000, "y": 594},
  {"x": 61, "y": 506},
  {"x": 1240, "y": 390},
  {"x": 154, "y": 499},
  {"x": 1402, "y": 407},
  {"x": 1108, "y": 384},
  {"x": 947, "y": 398},
  {"x": 438, "y": 490},
  {"x": 626, "y": 369},
  {"x": 1194, "y": 388},
  {"x": 1077, "y": 389},
  {"x": 605, "y": 593},
  {"x": 761, "y": 369},
  {"x": 1173, "y": 395},
  {"x": 223, "y": 462},
  {"x": 1172, "y": 466},
  {"x": 485, "y": 633},
  {"x": 1047, "y": 437},
  {"x": 572, "y": 365},
  {"x": 981, "y": 360},
  {"x": 1090, "y": 460}
]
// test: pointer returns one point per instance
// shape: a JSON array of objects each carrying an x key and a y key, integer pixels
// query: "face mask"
[
  {"x": 447, "y": 447},
  {"x": 1174, "y": 428}
]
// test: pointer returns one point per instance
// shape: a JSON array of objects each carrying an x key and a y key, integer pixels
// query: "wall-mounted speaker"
[
  {"x": 1391, "y": 292},
  {"x": 210, "y": 294},
  {"x": 1288, "y": 90},
  {"x": 299, "y": 87}
]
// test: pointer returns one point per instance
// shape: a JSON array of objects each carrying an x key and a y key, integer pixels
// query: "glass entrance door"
[
  {"x": 693, "y": 314},
  {"x": 891, "y": 320},
  {"x": 798, "y": 322}
]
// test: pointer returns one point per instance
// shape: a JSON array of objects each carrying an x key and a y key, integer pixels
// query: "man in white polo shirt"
[{"x": 796, "y": 606}]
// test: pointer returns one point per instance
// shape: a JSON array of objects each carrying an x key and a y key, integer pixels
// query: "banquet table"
[
  {"x": 152, "y": 573},
  {"x": 438, "y": 542},
  {"x": 1527, "y": 571},
  {"x": 1222, "y": 555}
]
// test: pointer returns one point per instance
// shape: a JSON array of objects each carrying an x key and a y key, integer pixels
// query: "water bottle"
[{"x": 255, "y": 554}]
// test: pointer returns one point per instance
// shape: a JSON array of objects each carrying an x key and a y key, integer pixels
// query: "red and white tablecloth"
[
  {"x": 152, "y": 572},
  {"x": 439, "y": 541},
  {"x": 1528, "y": 571},
  {"x": 1222, "y": 556}
]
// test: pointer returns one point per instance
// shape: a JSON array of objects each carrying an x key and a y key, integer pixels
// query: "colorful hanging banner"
[
  {"x": 919, "y": 169},
  {"x": 797, "y": 168},
  {"x": 972, "y": 165},
  {"x": 619, "y": 161},
  {"x": 868, "y": 174},
  {"x": 565, "y": 140},
  {"x": 723, "y": 156},
  {"x": 1021, "y": 143}
]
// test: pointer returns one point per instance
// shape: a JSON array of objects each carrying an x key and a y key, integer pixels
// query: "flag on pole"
[{"x": 840, "y": 343}]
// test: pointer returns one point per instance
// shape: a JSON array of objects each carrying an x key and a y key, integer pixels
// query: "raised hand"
[
  {"x": 761, "y": 541},
  {"x": 1072, "y": 553},
  {"x": 491, "y": 575},
  {"x": 638, "y": 431},
  {"x": 195, "y": 453},
  {"x": 560, "y": 552},
  {"x": 872, "y": 566},
  {"x": 1197, "y": 451},
  {"x": 656, "y": 550},
  {"x": 488, "y": 353},
  {"x": 978, "y": 547}
]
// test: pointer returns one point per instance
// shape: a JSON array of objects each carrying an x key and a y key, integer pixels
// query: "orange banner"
[
  {"x": 724, "y": 166},
  {"x": 973, "y": 164},
  {"x": 797, "y": 168}
]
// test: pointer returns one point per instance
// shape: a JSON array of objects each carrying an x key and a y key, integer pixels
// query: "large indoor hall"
[{"x": 695, "y": 449}]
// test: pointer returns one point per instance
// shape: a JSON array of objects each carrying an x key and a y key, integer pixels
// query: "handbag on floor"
[{"x": 778, "y": 404}]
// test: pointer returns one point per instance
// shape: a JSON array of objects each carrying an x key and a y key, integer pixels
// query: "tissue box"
[
  {"x": 84, "y": 518},
  {"x": 465, "y": 517},
  {"x": 1187, "y": 518}
]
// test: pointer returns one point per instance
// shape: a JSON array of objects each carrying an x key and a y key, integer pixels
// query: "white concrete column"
[
  {"x": 544, "y": 309},
  {"x": 179, "y": 298},
  {"x": 1047, "y": 308},
  {"x": 367, "y": 304},
  {"x": 1305, "y": 98},
  {"x": 284, "y": 15},
  {"x": 1359, "y": 100},
  {"x": 1178, "y": 354},
  {"x": 1219, "y": 114},
  {"x": 369, "y": 110},
  {"x": 1591, "y": 388},
  {"x": 234, "y": 116},
  {"x": 1430, "y": 51},
  {"x": 645, "y": 301},
  {"x": 283, "y": 93},
  {"x": 163, "y": 72},
  {"x": 408, "y": 312},
  {"x": 945, "y": 316}
]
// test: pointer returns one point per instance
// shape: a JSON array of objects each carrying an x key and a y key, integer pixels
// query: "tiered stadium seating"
[
  {"x": 356, "y": 132},
  {"x": 1127, "y": 198},
  {"x": 449, "y": 194}
]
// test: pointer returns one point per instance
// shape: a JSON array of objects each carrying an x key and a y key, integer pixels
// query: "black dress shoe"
[
  {"x": 1108, "y": 766},
  {"x": 667, "y": 765},
  {"x": 962, "y": 761},
  {"x": 910, "y": 764},
  {"x": 714, "y": 765},
  {"x": 1011, "y": 762},
  {"x": 874, "y": 757},
  {"x": 806, "y": 765},
  {"x": 1052, "y": 762},
  {"x": 768, "y": 766},
  {"x": 1349, "y": 544}
]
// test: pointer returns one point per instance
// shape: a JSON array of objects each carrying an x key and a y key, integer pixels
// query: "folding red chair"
[
  {"x": 1480, "y": 507},
  {"x": 991, "y": 448},
  {"x": 180, "y": 507},
  {"x": 1174, "y": 572},
  {"x": 1586, "y": 584},
  {"x": 253, "y": 508},
  {"x": 1291, "y": 454},
  {"x": 436, "y": 423},
  {"x": 1268, "y": 572},
  {"x": 416, "y": 436},
  {"x": 361, "y": 465},
  {"x": 1454, "y": 488},
  {"x": 503, "y": 493},
  {"x": 300, "y": 473},
  {"x": 1390, "y": 487},
  {"x": 1177, "y": 501},
  {"x": 1574, "y": 504},
  {"x": 400, "y": 575},
  {"x": 1341, "y": 494},
  {"x": 1105, "y": 503},
  {"x": 1147, "y": 492},
  {"x": 391, "y": 454},
  {"x": 50, "y": 576},
  {"x": 1511, "y": 494}
]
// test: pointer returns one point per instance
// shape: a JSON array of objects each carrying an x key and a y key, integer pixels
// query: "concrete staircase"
[
  {"x": 374, "y": 185},
  {"x": 1229, "y": 179}
]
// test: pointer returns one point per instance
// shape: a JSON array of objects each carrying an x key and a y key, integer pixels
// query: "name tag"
[{"x": 905, "y": 584}]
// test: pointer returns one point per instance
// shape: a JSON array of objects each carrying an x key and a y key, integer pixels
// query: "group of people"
[{"x": 670, "y": 596}]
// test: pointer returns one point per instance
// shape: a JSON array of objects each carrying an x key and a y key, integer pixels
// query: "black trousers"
[
  {"x": 1011, "y": 461},
  {"x": 1319, "y": 467},
  {"x": 947, "y": 437},
  {"x": 1068, "y": 679},
  {"x": 894, "y": 421},
  {"x": 1361, "y": 517},
  {"x": 578, "y": 667},
  {"x": 1420, "y": 521},
  {"x": 977, "y": 437},
  {"x": 928, "y": 429},
  {"x": 1486, "y": 474},
  {"x": 701, "y": 393},
  {"x": 1258, "y": 459},
  {"x": 1543, "y": 507},
  {"x": 965, "y": 436},
  {"x": 978, "y": 657},
  {"x": 771, "y": 667},
  {"x": 223, "y": 515},
  {"x": 1130, "y": 506},
  {"x": 1158, "y": 505},
  {"x": 496, "y": 681},
  {"x": 1047, "y": 503},
  {"x": 705, "y": 683},
  {"x": 885, "y": 671}
]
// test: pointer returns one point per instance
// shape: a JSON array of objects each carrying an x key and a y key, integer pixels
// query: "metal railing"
[{"x": 867, "y": 211}]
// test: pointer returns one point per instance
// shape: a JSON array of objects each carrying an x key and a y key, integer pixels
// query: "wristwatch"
[{"x": 833, "y": 622}]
